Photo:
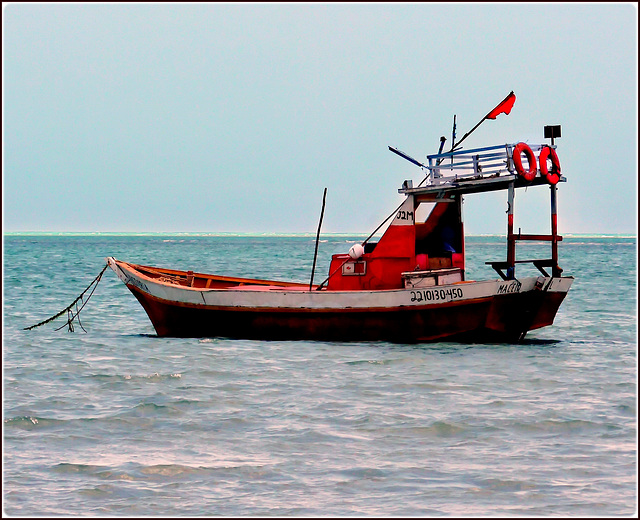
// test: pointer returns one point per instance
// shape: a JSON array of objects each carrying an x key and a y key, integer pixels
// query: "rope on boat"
[
  {"x": 363, "y": 243},
  {"x": 366, "y": 240},
  {"x": 71, "y": 316}
]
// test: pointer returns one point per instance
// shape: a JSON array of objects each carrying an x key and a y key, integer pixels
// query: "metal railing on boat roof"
[{"x": 479, "y": 163}]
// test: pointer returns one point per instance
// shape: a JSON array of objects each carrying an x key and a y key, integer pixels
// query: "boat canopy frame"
[{"x": 490, "y": 169}]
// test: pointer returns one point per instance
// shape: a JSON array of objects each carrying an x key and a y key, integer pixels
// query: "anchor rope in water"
[{"x": 70, "y": 314}]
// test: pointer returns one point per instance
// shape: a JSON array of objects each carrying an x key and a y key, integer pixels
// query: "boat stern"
[{"x": 513, "y": 312}]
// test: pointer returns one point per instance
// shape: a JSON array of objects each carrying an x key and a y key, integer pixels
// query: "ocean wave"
[
  {"x": 29, "y": 422},
  {"x": 170, "y": 470},
  {"x": 130, "y": 473},
  {"x": 127, "y": 470},
  {"x": 147, "y": 410},
  {"x": 499, "y": 484},
  {"x": 563, "y": 426},
  {"x": 65, "y": 467},
  {"x": 437, "y": 429},
  {"x": 140, "y": 411},
  {"x": 363, "y": 473},
  {"x": 155, "y": 377}
]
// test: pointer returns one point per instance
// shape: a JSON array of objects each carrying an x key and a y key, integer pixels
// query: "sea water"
[{"x": 115, "y": 421}]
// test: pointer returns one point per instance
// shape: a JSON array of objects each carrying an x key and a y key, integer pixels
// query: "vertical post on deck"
[
  {"x": 553, "y": 132},
  {"x": 555, "y": 269},
  {"x": 460, "y": 202},
  {"x": 511, "y": 242}
]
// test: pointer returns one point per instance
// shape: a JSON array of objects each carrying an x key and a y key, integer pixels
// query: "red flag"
[{"x": 504, "y": 107}]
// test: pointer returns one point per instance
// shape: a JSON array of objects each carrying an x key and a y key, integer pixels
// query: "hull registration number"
[{"x": 435, "y": 295}]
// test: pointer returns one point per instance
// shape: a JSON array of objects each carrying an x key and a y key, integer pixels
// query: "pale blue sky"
[{"x": 234, "y": 117}]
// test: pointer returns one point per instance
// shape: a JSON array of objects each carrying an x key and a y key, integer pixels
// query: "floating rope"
[{"x": 70, "y": 314}]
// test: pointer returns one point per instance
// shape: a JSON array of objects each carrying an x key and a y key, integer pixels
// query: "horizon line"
[{"x": 267, "y": 233}]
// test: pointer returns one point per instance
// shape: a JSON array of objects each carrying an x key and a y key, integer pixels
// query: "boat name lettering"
[
  {"x": 434, "y": 295},
  {"x": 511, "y": 287},
  {"x": 404, "y": 215},
  {"x": 140, "y": 285}
]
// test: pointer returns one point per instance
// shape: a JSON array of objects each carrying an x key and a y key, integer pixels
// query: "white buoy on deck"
[{"x": 356, "y": 251}]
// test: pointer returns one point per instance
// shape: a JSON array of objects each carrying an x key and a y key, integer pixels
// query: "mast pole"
[
  {"x": 511, "y": 241},
  {"x": 315, "y": 254}
]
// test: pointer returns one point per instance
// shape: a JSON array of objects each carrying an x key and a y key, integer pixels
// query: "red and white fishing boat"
[{"x": 409, "y": 286}]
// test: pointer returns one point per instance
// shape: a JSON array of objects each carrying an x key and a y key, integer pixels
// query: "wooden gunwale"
[{"x": 201, "y": 280}]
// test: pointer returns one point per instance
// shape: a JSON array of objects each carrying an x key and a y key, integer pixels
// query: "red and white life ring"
[
  {"x": 517, "y": 161},
  {"x": 554, "y": 176}
]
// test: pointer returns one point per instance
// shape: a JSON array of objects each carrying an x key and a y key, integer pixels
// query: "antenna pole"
[
  {"x": 453, "y": 133},
  {"x": 453, "y": 137},
  {"x": 469, "y": 133}
]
